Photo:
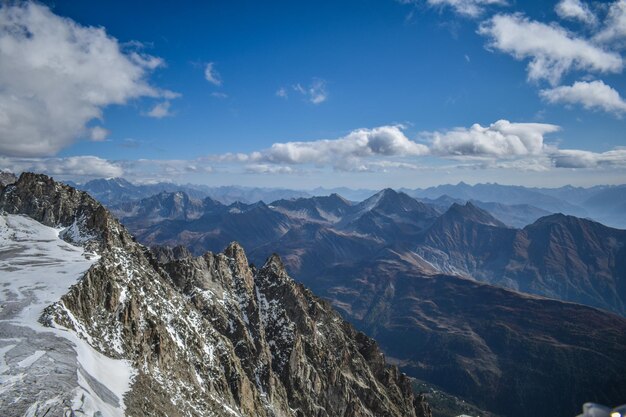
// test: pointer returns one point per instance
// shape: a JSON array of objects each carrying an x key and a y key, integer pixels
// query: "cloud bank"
[
  {"x": 73, "y": 166},
  {"x": 516, "y": 147},
  {"x": 358, "y": 144}
]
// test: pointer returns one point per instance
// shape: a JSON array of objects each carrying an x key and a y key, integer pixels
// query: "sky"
[{"x": 363, "y": 94}]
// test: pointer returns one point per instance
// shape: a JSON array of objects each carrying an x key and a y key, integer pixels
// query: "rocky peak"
[
  {"x": 470, "y": 213},
  {"x": 391, "y": 202},
  {"x": 336, "y": 198},
  {"x": 274, "y": 265},
  {"x": 51, "y": 203},
  {"x": 165, "y": 254}
]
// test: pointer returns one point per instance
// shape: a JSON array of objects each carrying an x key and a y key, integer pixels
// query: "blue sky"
[{"x": 299, "y": 94}]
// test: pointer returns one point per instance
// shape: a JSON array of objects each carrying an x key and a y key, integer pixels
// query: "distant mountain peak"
[
  {"x": 338, "y": 198},
  {"x": 469, "y": 212},
  {"x": 387, "y": 197},
  {"x": 567, "y": 221}
]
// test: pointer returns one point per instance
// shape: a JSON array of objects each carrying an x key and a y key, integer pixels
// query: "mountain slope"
[
  {"x": 201, "y": 336},
  {"x": 570, "y": 258},
  {"x": 463, "y": 240},
  {"x": 509, "y": 353},
  {"x": 324, "y": 209}
]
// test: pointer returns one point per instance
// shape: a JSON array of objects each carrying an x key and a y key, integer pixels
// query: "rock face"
[
  {"x": 6, "y": 178},
  {"x": 558, "y": 256},
  {"x": 209, "y": 335}
]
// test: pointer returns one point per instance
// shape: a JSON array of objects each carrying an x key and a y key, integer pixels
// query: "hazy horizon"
[{"x": 154, "y": 182}]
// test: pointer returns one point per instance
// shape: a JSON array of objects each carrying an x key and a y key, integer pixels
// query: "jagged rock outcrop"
[
  {"x": 7, "y": 178},
  {"x": 211, "y": 335},
  {"x": 165, "y": 254}
]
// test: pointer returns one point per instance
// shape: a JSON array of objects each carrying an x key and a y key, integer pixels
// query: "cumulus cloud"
[
  {"x": 501, "y": 139},
  {"x": 469, "y": 8},
  {"x": 551, "y": 49},
  {"x": 316, "y": 92},
  {"x": 361, "y": 143},
  {"x": 56, "y": 76},
  {"x": 160, "y": 110},
  {"x": 615, "y": 25},
  {"x": 72, "y": 166},
  {"x": 211, "y": 74},
  {"x": 575, "y": 10},
  {"x": 574, "y": 158},
  {"x": 591, "y": 95}
]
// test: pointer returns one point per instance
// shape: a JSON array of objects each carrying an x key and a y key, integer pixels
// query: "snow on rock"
[{"x": 62, "y": 371}]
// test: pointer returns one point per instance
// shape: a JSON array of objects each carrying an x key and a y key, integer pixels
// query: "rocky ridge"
[{"x": 208, "y": 335}]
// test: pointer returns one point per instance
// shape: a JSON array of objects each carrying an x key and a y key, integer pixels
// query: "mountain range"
[
  {"x": 516, "y": 206},
  {"x": 490, "y": 306},
  {"x": 557, "y": 256},
  {"x": 518, "y": 321},
  {"x": 118, "y": 190},
  {"x": 92, "y": 324}
]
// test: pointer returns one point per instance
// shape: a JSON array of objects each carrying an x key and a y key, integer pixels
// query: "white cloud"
[
  {"x": 56, "y": 76},
  {"x": 160, "y": 110},
  {"x": 282, "y": 92},
  {"x": 591, "y": 95},
  {"x": 470, "y": 8},
  {"x": 615, "y": 24},
  {"x": 501, "y": 139},
  {"x": 211, "y": 74},
  {"x": 551, "y": 49},
  {"x": 217, "y": 94},
  {"x": 73, "y": 166},
  {"x": 361, "y": 143},
  {"x": 98, "y": 133},
  {"x": 574, "y": 158},
  {"x": 315, "y": 92},
  {"x": 575, "y": 10}
]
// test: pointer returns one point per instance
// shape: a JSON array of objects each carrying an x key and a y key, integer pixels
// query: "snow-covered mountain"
[{"x": 93, "y": 325}]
